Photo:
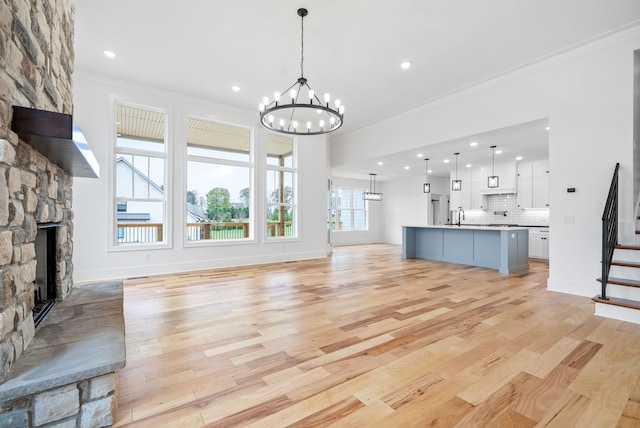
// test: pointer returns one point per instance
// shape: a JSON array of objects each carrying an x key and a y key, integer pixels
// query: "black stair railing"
[{"x": 609, "y": 230}]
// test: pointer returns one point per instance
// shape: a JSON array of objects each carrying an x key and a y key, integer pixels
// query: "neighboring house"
[
  {"x": 132, "y": 183},
  {"x": 195, "y": 213}
]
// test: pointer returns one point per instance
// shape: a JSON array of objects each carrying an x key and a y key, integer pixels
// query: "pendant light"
[
  {"x": 456, "y": 185},
  {"x": 371, "y": 195},
  {"x": 427, "y": 186},
  {"x": 493, "y": 180}
]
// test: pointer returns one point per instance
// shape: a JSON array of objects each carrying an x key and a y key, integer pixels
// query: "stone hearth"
[{"x": 68, "y": 374}]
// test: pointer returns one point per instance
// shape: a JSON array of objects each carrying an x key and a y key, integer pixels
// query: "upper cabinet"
[
  {"x": 472, "y": 196},
  {"x": 506, "y": 172},
  {"x": 461, "y": 198},
  {"x": 533, "y": 184}
]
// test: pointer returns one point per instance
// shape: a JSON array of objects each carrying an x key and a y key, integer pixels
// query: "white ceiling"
[
  {"x": 353, "y": 49},
  {"x": 527, "y": 140}
]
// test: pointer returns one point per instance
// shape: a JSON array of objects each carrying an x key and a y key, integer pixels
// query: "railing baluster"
[{"x": 609, "y": 230}]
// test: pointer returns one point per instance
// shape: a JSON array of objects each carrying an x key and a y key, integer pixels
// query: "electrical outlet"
[
  {"x": 147, "y": 257},
  {"x": 567, "y": 219}
]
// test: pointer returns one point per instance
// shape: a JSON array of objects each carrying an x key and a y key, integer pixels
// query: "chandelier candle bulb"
[
  {"x": 293, "y": 95},
  {"x": 341, "y": 110},
  {"x": 337, "y": 103},
  {"x": 327, "y": 98},
  {"x": 295, "y": 124},
  {"x": 311, "y": 95},
  {"x": 276, "y": 97},
  {"x": 261, "y": 106},
  {"x": 308, "y": 126},
  {"x": 271, "y": 119},
  {"x": 321, "y": 124}
]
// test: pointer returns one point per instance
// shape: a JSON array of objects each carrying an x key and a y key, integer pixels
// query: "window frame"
[
  {"x": 295, "y": 207},
  {"x": 114, "y": 231},
  {"x": 334, "y": 206},
  {"x": 250, "y": 164}
]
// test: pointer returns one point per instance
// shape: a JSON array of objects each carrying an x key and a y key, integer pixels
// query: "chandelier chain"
[{"x": 302, "y": 47}]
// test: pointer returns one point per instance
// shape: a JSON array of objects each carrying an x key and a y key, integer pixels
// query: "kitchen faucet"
[{"x": 460, "y": 212}]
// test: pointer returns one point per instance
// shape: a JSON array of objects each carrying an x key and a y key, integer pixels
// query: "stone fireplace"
[
  {"x": 46, "y": 385},
  {"x": 36, "y": 47}
]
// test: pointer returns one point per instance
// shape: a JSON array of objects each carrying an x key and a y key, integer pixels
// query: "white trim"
[{"x": 160, "y": 106}]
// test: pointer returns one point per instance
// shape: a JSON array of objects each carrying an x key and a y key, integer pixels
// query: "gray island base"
[{"x": 502, "y": 248}]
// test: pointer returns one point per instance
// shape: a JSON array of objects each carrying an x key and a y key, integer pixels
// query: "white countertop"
[{"x": 441, "y": 226}]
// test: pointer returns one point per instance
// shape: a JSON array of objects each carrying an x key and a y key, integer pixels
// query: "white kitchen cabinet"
[
  {"x": 541, "y": 191},
  {"x": 478, "y": 197},
  {"x": 506, "y": 172},
  {"x": 539, "y": 243},
  {"x": 461, "y": 198},
  {"x": 533, "y": 184}
]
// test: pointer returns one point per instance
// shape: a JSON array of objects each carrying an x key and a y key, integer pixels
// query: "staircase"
[{"x": 620, "y": 296}]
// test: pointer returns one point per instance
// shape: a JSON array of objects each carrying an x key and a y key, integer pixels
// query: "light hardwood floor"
[{"x": 364, "y": 338}]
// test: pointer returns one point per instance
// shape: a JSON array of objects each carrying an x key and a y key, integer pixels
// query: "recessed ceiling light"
[
  {"x": 405, "y": 65},
  {"x": 547, "y": 128},
  {"x": 109, "y": 54},
  {"x": 518, "y": 157},
  {"x": 498, "y": 152},
  {"x": 446, "y": 161},
  {"x": 407, "y": 167},
  {"x": 468, "y": 165},
  {"x": 235, "y": 88},
  {"x": 473, "y": 143},
  {"x": 380, "y": 163},
  {"x": 420, "y": 155},
  {"x": 429, "y": 171}
]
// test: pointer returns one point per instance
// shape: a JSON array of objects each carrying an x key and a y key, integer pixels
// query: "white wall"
[
  {"x": 405, "y": 203},
  {"x": 587, "y": 96},
  {"x": 94, "y": 261}
]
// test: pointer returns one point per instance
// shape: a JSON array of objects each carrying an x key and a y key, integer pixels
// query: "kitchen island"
[{"x": 498, "y": 247}]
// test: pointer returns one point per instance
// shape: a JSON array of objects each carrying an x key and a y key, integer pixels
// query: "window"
[
  {"x": 281, "y": 187},
  {"x": 348, "y": 209},
  {"x": 218, "y": 190},
  {"x": 140, "y": 170}
]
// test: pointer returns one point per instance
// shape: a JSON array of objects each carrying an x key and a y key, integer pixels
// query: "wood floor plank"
[{"x": 366, "y": 338}]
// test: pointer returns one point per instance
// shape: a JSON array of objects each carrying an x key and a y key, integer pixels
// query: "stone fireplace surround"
[{"x": 66, "y": 375}]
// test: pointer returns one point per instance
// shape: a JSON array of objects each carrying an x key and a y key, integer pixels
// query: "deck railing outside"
[
  {"x": 130, "y": 233},
  {"x": 142, "y": 233},
  {"x": 219, "y": 230}
]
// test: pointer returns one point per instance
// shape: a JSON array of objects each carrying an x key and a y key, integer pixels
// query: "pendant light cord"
[{"x": 493, "y": 160}]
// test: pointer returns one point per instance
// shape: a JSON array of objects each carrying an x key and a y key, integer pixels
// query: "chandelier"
[{"x": 306, "y": 114}]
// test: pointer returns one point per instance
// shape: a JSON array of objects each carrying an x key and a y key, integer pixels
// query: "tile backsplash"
[{"x": 514, "y": 215}]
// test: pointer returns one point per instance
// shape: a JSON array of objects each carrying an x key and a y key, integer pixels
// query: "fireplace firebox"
[{"x": 45, "y": 291}]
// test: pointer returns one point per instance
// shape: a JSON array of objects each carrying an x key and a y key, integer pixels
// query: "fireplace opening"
[{"x": 45, "y": 290}]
